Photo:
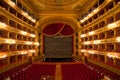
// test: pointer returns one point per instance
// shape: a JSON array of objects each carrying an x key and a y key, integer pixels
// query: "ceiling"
[{"x": 70, "y": 8}]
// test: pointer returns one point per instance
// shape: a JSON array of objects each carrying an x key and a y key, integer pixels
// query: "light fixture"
[
  {"x": 91, "y": 52},
  {"x": 3, "y": 24},
  {"x": 90, "y": 15},
  {"x": 29, "y": 43},
  {"x": 30, "y": 17},
  {"x": 95, "y": 10},
  {"x": 86, "y": 18},
  {"x": 112, "y": 25},
  {"x": 83, "y": 50},
  {"x": 26, "y": 14},
  {"x": 34, "y": 20},
  {"x": 83, "y": 35},
  {"x": 112, "y": 54},
  {"x": 87, "y": 42},
  {"x": 97, "y": 42},
  {"x": 12, "y": 3},
  {"x": 23, "y": 32},
  {"x": 36, "y": 43},
  {"x": 32, "y": 51},
  {"x": 32, "y": 35},
  {"x": 23, "y": 52},
  {"x": 118, "y": 39},
  {"x": 81, "y": 21},
  {"x": 91, "y": 33},
  {"x": 2, "y": 56},
  {"x": 10, "y": 41}
]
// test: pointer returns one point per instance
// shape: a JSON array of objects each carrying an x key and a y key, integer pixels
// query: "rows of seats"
[
  {"x": 13, "y": 71},
  {"x": 104, "y": 71},
  {"x": 79, "y": 72},
  {"x": 30, "y": 72}
]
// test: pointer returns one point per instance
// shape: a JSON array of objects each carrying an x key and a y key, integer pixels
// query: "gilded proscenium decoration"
[
  {"x": 43, "y": 8},
  {"x": 58, "y": 2}
]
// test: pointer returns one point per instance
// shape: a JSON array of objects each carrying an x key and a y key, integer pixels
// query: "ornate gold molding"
[
  {"x": 58, "y": 3},
  {"x": 57, "y": 19}
]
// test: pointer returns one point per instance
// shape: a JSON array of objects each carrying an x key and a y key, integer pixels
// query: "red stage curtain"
[
  {"x": 67, "y": 30},
  {"x": 57, "y": 28},
  {"x": 52, "y": 29}
]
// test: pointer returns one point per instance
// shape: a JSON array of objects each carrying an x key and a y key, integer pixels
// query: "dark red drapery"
[{"x": 58, "y": 28}]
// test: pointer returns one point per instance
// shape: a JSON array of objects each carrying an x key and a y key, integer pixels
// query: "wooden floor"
[{"x": 58, "y": 74}]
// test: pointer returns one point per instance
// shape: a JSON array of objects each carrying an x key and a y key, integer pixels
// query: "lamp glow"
[
  {"x": 81, "y": 21},
  {"x": 97, "y": 42},
  {"x": 23, "y": 52},
  {"x": 32, "y": 35},
  {"x": 12, "y": 3},
  {"x": 83, "y": 50},
  {"x": 90, "y": 15},
  {"x": 36, "y": 43},
  {"x": 118, "y": 39},
  {"x": 23, "y": 32},
  {"x": 82, "y": 35},
  {"x": 34, "y": 20},
  {"x": 10, "y": 41},
  {"x": 3, "y": 24},
  {"x": 32, "y": 51},
  {"x": 26, "y": 14},
  {"x": 86, "y": 43},
  {"x": 91, "y": 33},
  {"x": 3, "y": 56},
  {"x": 111, "y": 25},
  {"x": 29, "y": 43}
]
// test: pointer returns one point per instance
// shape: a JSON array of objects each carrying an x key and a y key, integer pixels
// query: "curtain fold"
[{"x": 58, "y": 28}]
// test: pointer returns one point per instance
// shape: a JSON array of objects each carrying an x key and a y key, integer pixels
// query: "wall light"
[
  {"x": 91, "y": 33},
  {"x": 118, "y": 39},
  {"x": 3, "y": 24},
  {"x": 97, "y": 42},
  {"x": 90, "y": 15},
  {"x": 81, "y": 21},
  {"x": 32, "y": 35},
  {"x": 114, "y": 55},
  {"x": 112, "y": 25},
  {"x": 32, "y": 51},
  {"x": 83, "y": 35},
  {"x": 12, "y": 3},
  {"x": 25, "y": 14},
  {"x": 29, "y": 43},
  {"x": 83, "y": 50},
  {"x": 23, "y": 32},
  {"x": 36, "y": 43},
  {"x": 10, "y": 41},
  {"x": 3, "y": 56},
  {"x": 86, "y": 42},
  {"x": 34, "y": 20},
  {"x": 23, "y": 52}
]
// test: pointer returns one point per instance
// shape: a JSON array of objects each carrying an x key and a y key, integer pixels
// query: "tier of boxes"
[
  {"x": 18, "y": 36},
  {"x": 99, "y": 36}
]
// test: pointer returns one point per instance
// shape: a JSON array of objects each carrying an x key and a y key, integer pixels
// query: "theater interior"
[{"x": 59, "y": 39}]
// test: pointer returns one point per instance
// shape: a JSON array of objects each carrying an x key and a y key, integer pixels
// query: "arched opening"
[{"x": 58, "y": 42}]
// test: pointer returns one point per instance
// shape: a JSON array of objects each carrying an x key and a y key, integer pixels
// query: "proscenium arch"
[
  {"x": 73, "y": 23},
  {"x": 42, "y": 23}
]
